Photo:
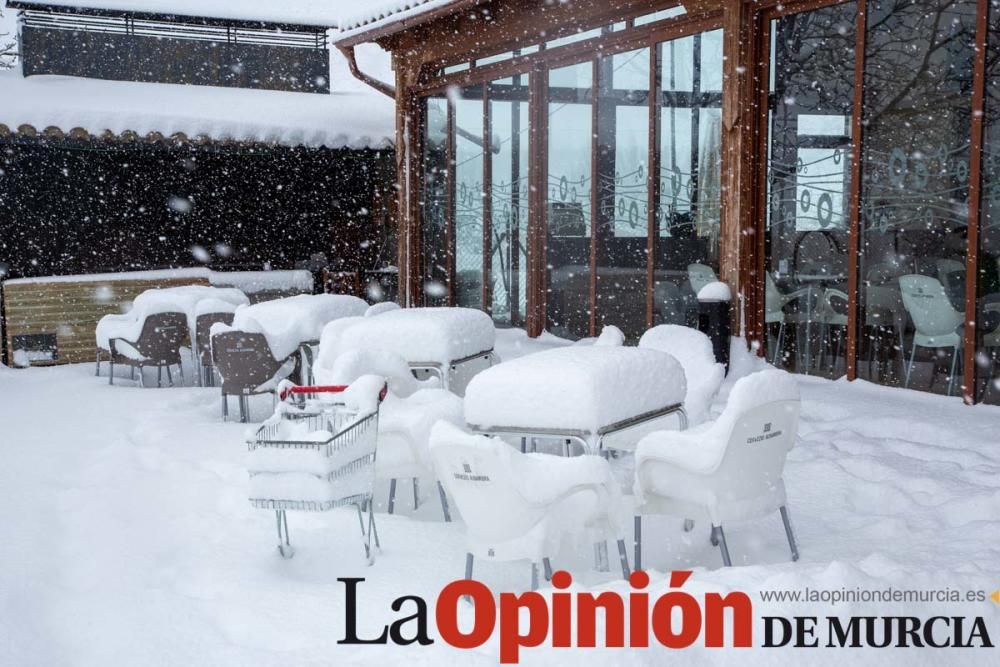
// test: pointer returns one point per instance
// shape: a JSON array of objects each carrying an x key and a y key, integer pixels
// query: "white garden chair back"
[
  {"x": 935, "y": 320},
  {"x": 700, "y": 275},
  {"x": 519, "y": 506},
  {"x": 731, "y": 469},
  {"x": 693, "y": 349}
]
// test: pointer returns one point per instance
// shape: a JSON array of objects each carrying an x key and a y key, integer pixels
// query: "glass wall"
[
  {"x": 622, "y": 169},
  {"x": 811, "y": 96},
  {"x": 686, "y": 234},
  {"x": 568, "y": 201},
  {"x": 915, "y": 188},
  {"x": 469, "y": 197},
  {"x": 433, "y": 204},
  {"x": 508, "y": 239},
  {"x": 988, "y": 264}
]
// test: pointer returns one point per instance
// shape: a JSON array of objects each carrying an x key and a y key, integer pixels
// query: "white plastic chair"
[
  {"x": 728, "y": 470},
  {"x": 519, "y": 506},
  {"x": 774, "y": 310},
  {"x": 935, "y": 320},
  {"x": 700, "y": 275},
  {"x": 694, "y": 350}
]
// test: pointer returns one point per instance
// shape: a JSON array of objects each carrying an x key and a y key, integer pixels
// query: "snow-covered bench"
[
  {"x": 449, "y": 343},
  {"x": 598, "y": 396}
]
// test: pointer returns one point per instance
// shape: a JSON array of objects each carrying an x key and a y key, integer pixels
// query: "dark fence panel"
[
  {"x": 164, "y": 59},
  {"x": 73, "y": 206}
]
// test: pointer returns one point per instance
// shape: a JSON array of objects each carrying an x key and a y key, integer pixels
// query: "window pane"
[
  {"x": 622, "y": 166},
  {"x": 568, "y": 217},
  {"x": 988, "y": 265},
  {"x": 808, "y": 179},
  {"x": 918, "y": 98},
  {"x": 434, "y": 201},
  {"x": 686, "y": 251},
  {"x": 509, "y": 204},
  {"x": 469, "y": 197}
]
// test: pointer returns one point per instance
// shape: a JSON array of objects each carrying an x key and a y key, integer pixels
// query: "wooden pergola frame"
[{"x": 482, "y": 28}]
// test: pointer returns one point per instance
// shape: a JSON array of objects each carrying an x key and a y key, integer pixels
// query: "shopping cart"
[{"x": 315, "y": 456}]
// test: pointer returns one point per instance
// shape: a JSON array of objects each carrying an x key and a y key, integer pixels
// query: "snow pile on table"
[
  {"x": 287, "y": 323},
  {"x": 352, "y": 364},
  {"x": 576, "y": 388},
  {"x": 427, "y": 335},
  {"x": 213, "y": 305},
  {"x": 701, "y": 449},
  {"x": 380, "y": 308},
  {"x": 694, "y": 350}
]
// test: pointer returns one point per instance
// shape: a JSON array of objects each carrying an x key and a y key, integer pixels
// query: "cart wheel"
[
  {"x": 369, "y": 555},
  {"x": 286, "y": 551}
]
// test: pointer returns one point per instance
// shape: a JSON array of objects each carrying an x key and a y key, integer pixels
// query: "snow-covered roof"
[
  {"x": 353, "y": 115},
  {"x": 380, "y": 12},
  {"x": 320, "y": 13}
]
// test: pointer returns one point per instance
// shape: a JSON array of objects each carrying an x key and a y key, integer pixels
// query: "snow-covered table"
[
  {"x": 584, "y": 394},
  {"x": 438, "y": 341}
]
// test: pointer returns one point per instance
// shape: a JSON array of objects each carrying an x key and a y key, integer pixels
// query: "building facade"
[{"x": 570, "y": 165}]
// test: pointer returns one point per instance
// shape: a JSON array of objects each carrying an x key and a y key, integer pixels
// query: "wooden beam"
[{"x": 975, "y": 205}]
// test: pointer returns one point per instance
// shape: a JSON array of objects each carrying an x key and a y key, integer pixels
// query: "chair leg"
[
  {"x": 723, "y": 547},
  {"x": 954, "y": 363},
  {"x": 170, "y": 377},
  {"x": 225, "y": 408},
  {"x": 534, "y": 576},
  {"x": 547, "y": 568},
  {"x": 416, "y": 499},
  {"x": 159, "y": 377},
  {"x": 788, "y": 532},
  {"x": 637, "y": 542},
  {"x": 180, "y": 371},
  {"x": 623, "y": 557},
  {"x": 468, "y": 566},
  {"x": 444, "y": 503},
  {"x": 284, "y": 545},
  {"x": 97, "y": 371},
  {"x": 111, "y": 371},
  {"x": 244, "y": 409},
  {"x": 777, "y": 348},
  {"x": 392, "y": 495},
  {"x": 131, "y": 372},
  {"x": 909, "y": 367}
]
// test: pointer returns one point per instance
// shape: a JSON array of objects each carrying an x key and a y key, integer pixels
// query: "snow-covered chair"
[
  {"x": 408, "y": 412},
  {"x": 151, "y": 339},
  {"x": 728, "y": 470},
  {"x": 520, "y": 506},
  {"x": 207, "y": 313},
  {"x": 247, "y": 366},
  {"x": 694, "y": 350}
]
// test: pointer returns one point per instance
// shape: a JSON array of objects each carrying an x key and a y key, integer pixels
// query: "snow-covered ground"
[{"x": 128, "y": 538}]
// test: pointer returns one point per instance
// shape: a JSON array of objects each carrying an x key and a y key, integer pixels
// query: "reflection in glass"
[
  {"x": 622, "y": 166},
  {"x": 915, "y": 188},
  {"x": 468, "y": 289},
  {"x": 808, "y": 189},
  {"x": 686, "y": 234},
  {"x": 988, "y": 264},
  {"x": 434, "y": 201},
  {"x": 568, "y": 218},
  {"x": 509, "y": 198}
]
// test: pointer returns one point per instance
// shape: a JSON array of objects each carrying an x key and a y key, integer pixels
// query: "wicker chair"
[
  {"x": 158, "y": 344},
  {"x": 247, "y": 367}
]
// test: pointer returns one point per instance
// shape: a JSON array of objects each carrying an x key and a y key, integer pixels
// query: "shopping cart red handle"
[{"x": 326, "y": 389}]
